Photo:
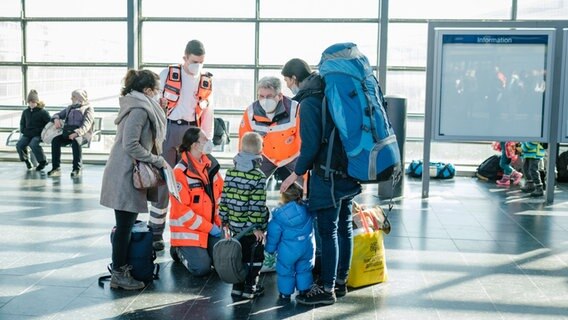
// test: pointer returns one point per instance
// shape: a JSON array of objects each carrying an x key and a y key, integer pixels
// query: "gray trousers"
[
  {"x": 34, "y": 144},
  {"x": 159, "y": 209},
  {"x": 196, "y": 259}
]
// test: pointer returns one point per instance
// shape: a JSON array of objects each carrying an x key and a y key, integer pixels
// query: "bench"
[{"x": 14, "y": 136}]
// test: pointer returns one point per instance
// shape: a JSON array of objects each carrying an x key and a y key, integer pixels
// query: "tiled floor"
[{"x": 471, "y": 251}]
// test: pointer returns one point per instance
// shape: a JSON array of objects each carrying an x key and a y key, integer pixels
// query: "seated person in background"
[
  {"x": 277, "y": 119},
  {"x": 77, "y": 122},
  {"x": 243, "y": 204},
  {"x": 291, "y": 234},
  {"x": 32, "y": 123},
  {"x": 194, "y": 220}
]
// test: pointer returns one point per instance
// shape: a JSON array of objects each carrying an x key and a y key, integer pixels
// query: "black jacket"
[
  {"x": 33, "y": 121},
  {"x": 313, "y": 153}
]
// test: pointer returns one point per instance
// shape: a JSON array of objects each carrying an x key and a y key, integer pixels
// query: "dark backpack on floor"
[
  {"x": 489, "y": 170},
  {"x": 220, "y": 133},
  {"x": 562, "y": 167},
  {"x": 141, "y": 254},
  {"x": 228, "y": 258}
]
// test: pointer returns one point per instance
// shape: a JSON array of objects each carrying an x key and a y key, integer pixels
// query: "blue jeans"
[
  {"x": 34, "y": 144},
  {"x": 505, "y": 163},
  {"x": 335, "y": 229}
]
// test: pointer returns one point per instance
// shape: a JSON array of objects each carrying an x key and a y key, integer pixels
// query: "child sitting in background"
[
  {"x": 532, "y": 152},
  {"x": 243, "y": 204},
  {"x": 508, "y": 155},
  {"x": 291, "y": 234},
  {"x": 32, "y": 123}
]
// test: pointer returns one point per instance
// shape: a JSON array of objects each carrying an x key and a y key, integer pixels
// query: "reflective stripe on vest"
[
  {"x": 172, "y": 91},
  {"x": 184, "y": 236},
  {"x": 181, "y": 220}
]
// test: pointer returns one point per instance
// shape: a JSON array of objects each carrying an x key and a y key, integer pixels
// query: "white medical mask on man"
[
  {"x": 194, "y": 68},
  {"x": 269, "y": 105}
]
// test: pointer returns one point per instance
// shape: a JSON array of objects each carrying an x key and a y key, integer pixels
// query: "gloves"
[{"x": 215, "y": 232}]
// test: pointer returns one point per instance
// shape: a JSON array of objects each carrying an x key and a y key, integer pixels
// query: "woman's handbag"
[
  {"x": 146, "y": 175},
  {"x": 49, "y": 132}
]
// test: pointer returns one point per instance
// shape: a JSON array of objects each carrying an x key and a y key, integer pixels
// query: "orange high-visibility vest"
[
  {"x": 193, "y": 217},
  {"x": 172, "y": 91},
  {"x": 281, "y": 135}
]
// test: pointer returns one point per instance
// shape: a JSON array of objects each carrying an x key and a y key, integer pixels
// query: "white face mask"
[
  {"x": 269, "y": 105},
  {"x": 194, "y": 68},
  {"x": 207, "y": 147},
  {"x": 295, "y": 89}
]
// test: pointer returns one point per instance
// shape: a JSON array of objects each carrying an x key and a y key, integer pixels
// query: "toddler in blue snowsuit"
[{"x": 291, "y": 234}]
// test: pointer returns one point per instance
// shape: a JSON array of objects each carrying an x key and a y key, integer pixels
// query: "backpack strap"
[
  {"x": 245, "y": 231},
  {"x": 324, "y": 140},
  {"x": 102, "y": 279},
  {"x": 369, "y": 111}
]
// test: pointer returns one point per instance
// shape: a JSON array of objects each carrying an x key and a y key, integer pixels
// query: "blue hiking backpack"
[{"x": 356, "y": 104}]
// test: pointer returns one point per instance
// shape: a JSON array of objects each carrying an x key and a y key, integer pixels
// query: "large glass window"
[
  {"x": 10, "y": 85},
  {"x": 537, "y": 9},
  {"x": 74, "y": 8},
  {"x": 162, "y": 41},
  {"x": 408, "y": 84},
  {"x": 319, "y": 9},
  {"x": 279, "y": 42},
  {"x": 407, "y": 44},
  {"x": 450, "y": 9},
  {"x": 10, "y": 41},
  {"x": 55, "y": 84},
  {"x": 76, "y": 41},
  {"x": 200, "y": 9},
  {"x": 10, "y": 8}
]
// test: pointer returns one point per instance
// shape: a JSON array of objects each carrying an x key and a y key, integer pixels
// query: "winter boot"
[
  {"x": 505, "y": 181},
  {"x": 538, "y": 191},
  {"x": 516, "y": 176},
  {"x": 122, "y": 278},
  {"x": 529, "y": 187}
]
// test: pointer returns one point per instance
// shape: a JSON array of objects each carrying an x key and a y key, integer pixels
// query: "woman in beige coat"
[{"x": 140, "y": 133}]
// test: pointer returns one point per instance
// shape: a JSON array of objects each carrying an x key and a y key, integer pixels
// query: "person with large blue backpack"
[
  {"x": 346, "y": 140},
  {"x": 328, "y": 198}
]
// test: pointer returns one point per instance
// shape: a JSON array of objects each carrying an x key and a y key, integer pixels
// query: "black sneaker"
[
  {"x": 284, "y": 297},
  {"x": 174, "y": 254},
  {"x": 340, "y": 290},
  {"x": 158, "y": 243},
  {"x": 76, "y": 173},
  {"x": 537, "y": 192},
  {"x": 238, "y": 289},
  {"x": 528, "y": 188},
  {"x": 41, "y": 165},
  {"x": 56, "y": 172},
  {"x": 252, "y": 292},
  {"x": 29, "y": 164},
  {"x": 316, "y": 295}
]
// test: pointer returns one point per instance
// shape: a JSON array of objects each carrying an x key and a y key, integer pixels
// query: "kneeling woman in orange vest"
[{"x": 194, "y": 220}]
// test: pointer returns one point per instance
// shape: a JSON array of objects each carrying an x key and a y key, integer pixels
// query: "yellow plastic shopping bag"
[{"x": 368, "y": 264}]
